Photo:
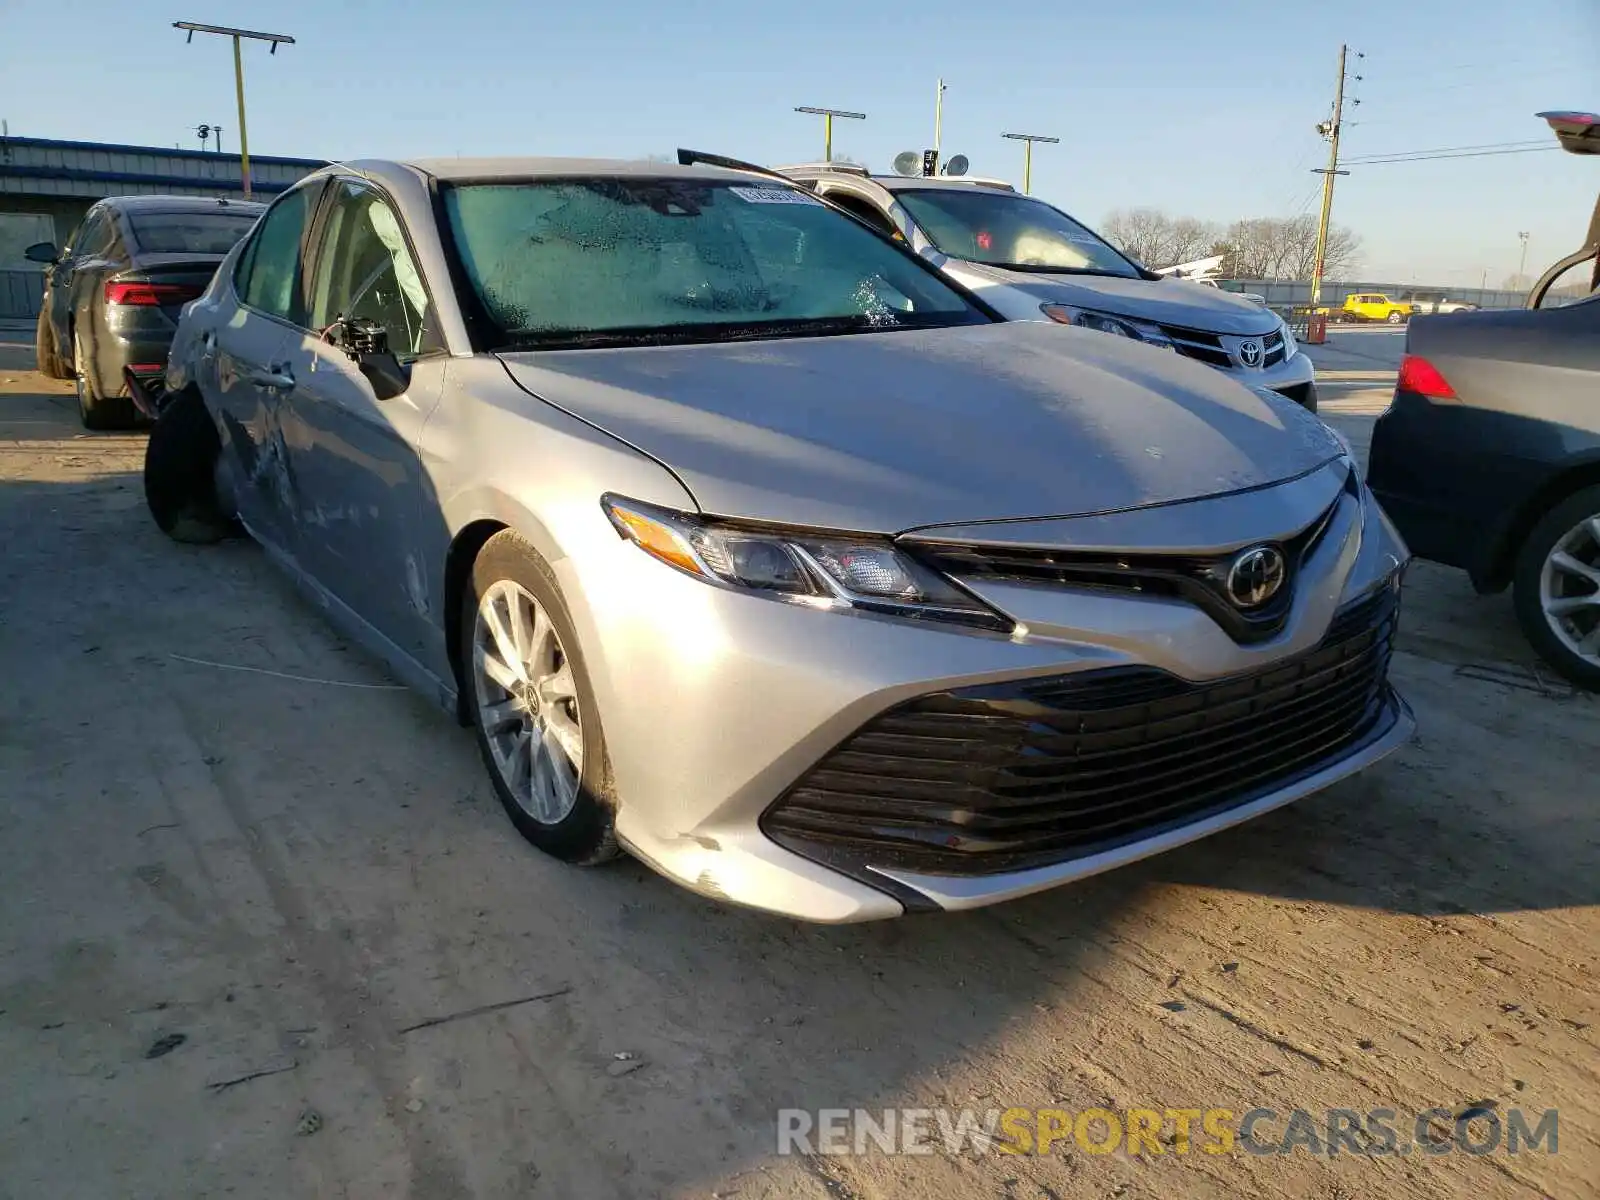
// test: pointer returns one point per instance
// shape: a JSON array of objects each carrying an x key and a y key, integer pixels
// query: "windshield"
[
  {"x": 616, "y": 260},
  {"x": 1004, "y": 229},
  {"x": 189, "y": 232}
]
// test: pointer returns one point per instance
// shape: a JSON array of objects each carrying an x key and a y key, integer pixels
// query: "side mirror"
[
  {"x": 367, "y": 344},
  {"x": 41, "y": 252}
]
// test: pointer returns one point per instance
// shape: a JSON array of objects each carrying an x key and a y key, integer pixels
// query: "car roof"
[
  {"x": 812, "y": 172},
  {"x": 180, "y": 204},
  {"x": 533, "y": 168}
]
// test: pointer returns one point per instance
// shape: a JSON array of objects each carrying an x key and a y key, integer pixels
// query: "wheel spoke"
[
  {"x": 496, "y": 670},
  {"x": 558, "y": 687},
  {"x": 519, "y": 765},
  {"x": 1593, "y": 526},
  {"x": 541, "y": 644},
  {"x": 561, "y": 732},
  {"x": 517, "y": 614},
  {"x": 1562, "y": 561},
  {"x": 503, "y": 640},
  {"x": 563, "y": 776},
  {"x": 1558, "y": 606},
  {"x": 497, "y": 717}
]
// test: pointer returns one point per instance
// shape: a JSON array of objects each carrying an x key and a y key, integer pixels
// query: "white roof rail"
[{"x": 840, "y": 168}]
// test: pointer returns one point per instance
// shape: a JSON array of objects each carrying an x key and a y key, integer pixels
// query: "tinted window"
[
  {"x": 984, "y": 225},
  {"x": 189, "y": 232},
  {"x": 611, "y": 259},
  {"x": 366, "y": 270},
  {"x": 269, "y": 274},
  {"x": 95, "y": 236}
]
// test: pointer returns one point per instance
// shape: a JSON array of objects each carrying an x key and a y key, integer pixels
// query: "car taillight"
[
  {"x": 147, "y": 294},
  {"x": 1419, "y": 375}
]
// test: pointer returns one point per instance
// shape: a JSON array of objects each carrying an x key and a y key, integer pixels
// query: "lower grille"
[{"x": 1035, "y": 772}]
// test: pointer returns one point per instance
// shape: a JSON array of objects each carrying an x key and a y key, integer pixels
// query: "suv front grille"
[
  {"x": 1035, "y": 772},
  {"x": 1209, "y": 347}
]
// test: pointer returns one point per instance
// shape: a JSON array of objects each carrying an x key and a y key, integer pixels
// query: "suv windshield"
[
  {"x": 1003, "y": 229},
  {"x": 189, "y": 232},
  {"x": 620, "y": 260}
]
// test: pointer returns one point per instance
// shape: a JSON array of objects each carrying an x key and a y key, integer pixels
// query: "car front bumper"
[
  {"x": 1294, "y": 377},
  {"x": 715, "y": 704}
]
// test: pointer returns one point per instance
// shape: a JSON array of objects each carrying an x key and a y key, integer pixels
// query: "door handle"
[{"x": 277, "y": 379}]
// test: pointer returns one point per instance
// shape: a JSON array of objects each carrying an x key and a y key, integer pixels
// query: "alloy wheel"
[
  {"x": 1569, "y": 589},
  {"x": 527, "y": 702}
]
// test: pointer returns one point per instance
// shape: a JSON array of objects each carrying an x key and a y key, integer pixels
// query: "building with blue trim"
[{"x": 47, "y": 185}]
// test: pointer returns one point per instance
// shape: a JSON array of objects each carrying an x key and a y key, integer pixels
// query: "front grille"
[
  {"x": 1198, "y": 579},
  {"x": 1210, "y": 349},
  {"x": 1030, "y": 773}
]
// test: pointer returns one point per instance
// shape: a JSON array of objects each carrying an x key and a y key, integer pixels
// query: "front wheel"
[
  {"x": 180, "y": 472},
  {"x": 44, "y": 347},
  {"x": 1397, "y": 318},
  {"x": 532, "y": 706},
  {"x": 1556, "y": 587}
]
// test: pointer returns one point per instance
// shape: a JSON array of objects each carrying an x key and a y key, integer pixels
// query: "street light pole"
[
  {"x": 827, "y": 115},
  {"x": 938, "y": 121},
  {"x": 1522, "y": 269},
  {"x": 238, "y": 78},
  {"x": 1027, "y": 140}
]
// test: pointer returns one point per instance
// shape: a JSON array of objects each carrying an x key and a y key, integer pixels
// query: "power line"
[{"x": 1383, "y": 162}]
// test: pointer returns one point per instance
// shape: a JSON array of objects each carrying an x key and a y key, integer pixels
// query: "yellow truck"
[{"x": 1373, "y": 306}]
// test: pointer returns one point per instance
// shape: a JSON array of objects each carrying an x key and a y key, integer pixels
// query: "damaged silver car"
[{"x": 750, "y": 545}]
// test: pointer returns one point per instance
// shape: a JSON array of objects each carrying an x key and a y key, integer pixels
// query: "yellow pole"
[
  {"x": 1027, "y": 168},
  {"x": 827, "y": 137},
  {"x": 244, "y": 138}
]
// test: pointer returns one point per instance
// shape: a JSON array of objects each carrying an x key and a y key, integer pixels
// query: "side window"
[
  {"x": 94, "y": 235},
  {"x": 365, "y": 269},
  {"x": 269, "y": 273}
]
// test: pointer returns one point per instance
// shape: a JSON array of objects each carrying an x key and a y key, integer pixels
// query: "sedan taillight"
[
  {"x": 1419, "y": 375},
  {"x": 149, "y": 294}
]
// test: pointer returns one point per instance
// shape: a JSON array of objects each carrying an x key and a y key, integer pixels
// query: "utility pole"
[
  {"x": 827, "y": 115},
  {"x": 938, "y": 120},
  {"x": 1027, "y": 140},
  {"x": 238, "y": 78},
  {"x": 1331, "y": 130},
  {"x": 1522, "y": 268}
]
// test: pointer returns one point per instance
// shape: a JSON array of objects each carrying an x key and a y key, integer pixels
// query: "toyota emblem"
[
  {"x": 1255, "y": 576},
  {"x": 1250, "y": 352}
]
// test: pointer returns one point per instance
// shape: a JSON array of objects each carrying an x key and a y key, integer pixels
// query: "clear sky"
[{"x": 1201, "y": 107}]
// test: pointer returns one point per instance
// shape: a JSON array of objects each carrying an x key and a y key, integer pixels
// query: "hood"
[
  {"x": 1165, "y": 301},
  {"x": 885, "y": 432}
]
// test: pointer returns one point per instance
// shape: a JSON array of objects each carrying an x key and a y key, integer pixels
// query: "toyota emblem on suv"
[
  {"x": 1250, "y": 352},
  {"x": 1255, "y": 576}
]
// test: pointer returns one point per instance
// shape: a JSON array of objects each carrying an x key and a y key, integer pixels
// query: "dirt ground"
[{"x": 304, "y": 876}]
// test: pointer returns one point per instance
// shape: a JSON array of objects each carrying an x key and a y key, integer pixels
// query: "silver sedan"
[{"x": 750, "y": 545}]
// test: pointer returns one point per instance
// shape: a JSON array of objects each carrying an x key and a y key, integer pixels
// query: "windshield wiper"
[{"x": 707, "y": 331}]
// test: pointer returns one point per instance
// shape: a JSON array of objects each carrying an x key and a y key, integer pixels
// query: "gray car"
[
  {"x": 750, "y": 545},
  {"x": 1033, "y": 262},
  {"x": 113, "y": 294}
]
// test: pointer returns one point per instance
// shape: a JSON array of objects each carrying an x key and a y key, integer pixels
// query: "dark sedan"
[
  {"x": 113, "y": 295},
  {"x": 1489, "y": 457}
]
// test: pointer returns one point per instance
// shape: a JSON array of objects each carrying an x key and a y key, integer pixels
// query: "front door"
[{"x": 363, "y": 500}]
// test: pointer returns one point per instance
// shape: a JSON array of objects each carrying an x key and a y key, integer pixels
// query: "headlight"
[
  {"x": 1085, "y": 318},
  {"x": 1290, "y": 349},
  {"x": 815, "y": 569}
]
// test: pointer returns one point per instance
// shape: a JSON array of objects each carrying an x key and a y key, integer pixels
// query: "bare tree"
[
  {"x": 1285, "y": 248},
  {"x": 1150, "y": 236}
]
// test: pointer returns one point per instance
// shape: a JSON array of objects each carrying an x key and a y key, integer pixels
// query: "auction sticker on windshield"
[{"x": 775, "y": 195}]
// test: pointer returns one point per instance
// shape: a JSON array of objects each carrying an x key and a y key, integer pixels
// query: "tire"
[
  {"x": 565, "y": 809},
  {"x": 180, "y": 462},
  {"x": 44, "y": 347},
  {"x": 98, "y": 412},
  {"x": 1558, "y": 641},
  {"x": 1396, "y": 318}
]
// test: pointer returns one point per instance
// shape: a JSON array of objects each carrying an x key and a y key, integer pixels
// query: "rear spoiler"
[{"x": 688, "y": 158}]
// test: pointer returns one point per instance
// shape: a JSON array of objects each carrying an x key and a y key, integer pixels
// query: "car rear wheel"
[
  {"x": 1557, "y": 588},
  {"x": 94, "y": 410},
  {"x": 532, "y": 706},
  {"x": 1396, "y": 318},
  {"x": 44, "y": 348},
  {"x": 180, "y": 472}
]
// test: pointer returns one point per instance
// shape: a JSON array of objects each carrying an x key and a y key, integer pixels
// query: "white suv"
[{"x": 1032, "y": 262}]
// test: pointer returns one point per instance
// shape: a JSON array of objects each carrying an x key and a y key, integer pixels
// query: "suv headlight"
[
  {"x": 1087, "y": 318},
  {"x": 820, "y": 570}
]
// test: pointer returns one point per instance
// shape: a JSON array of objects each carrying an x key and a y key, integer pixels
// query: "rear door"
[
  {"x": 243, "y": 363},
  {"x": 366, "y": 517}
]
